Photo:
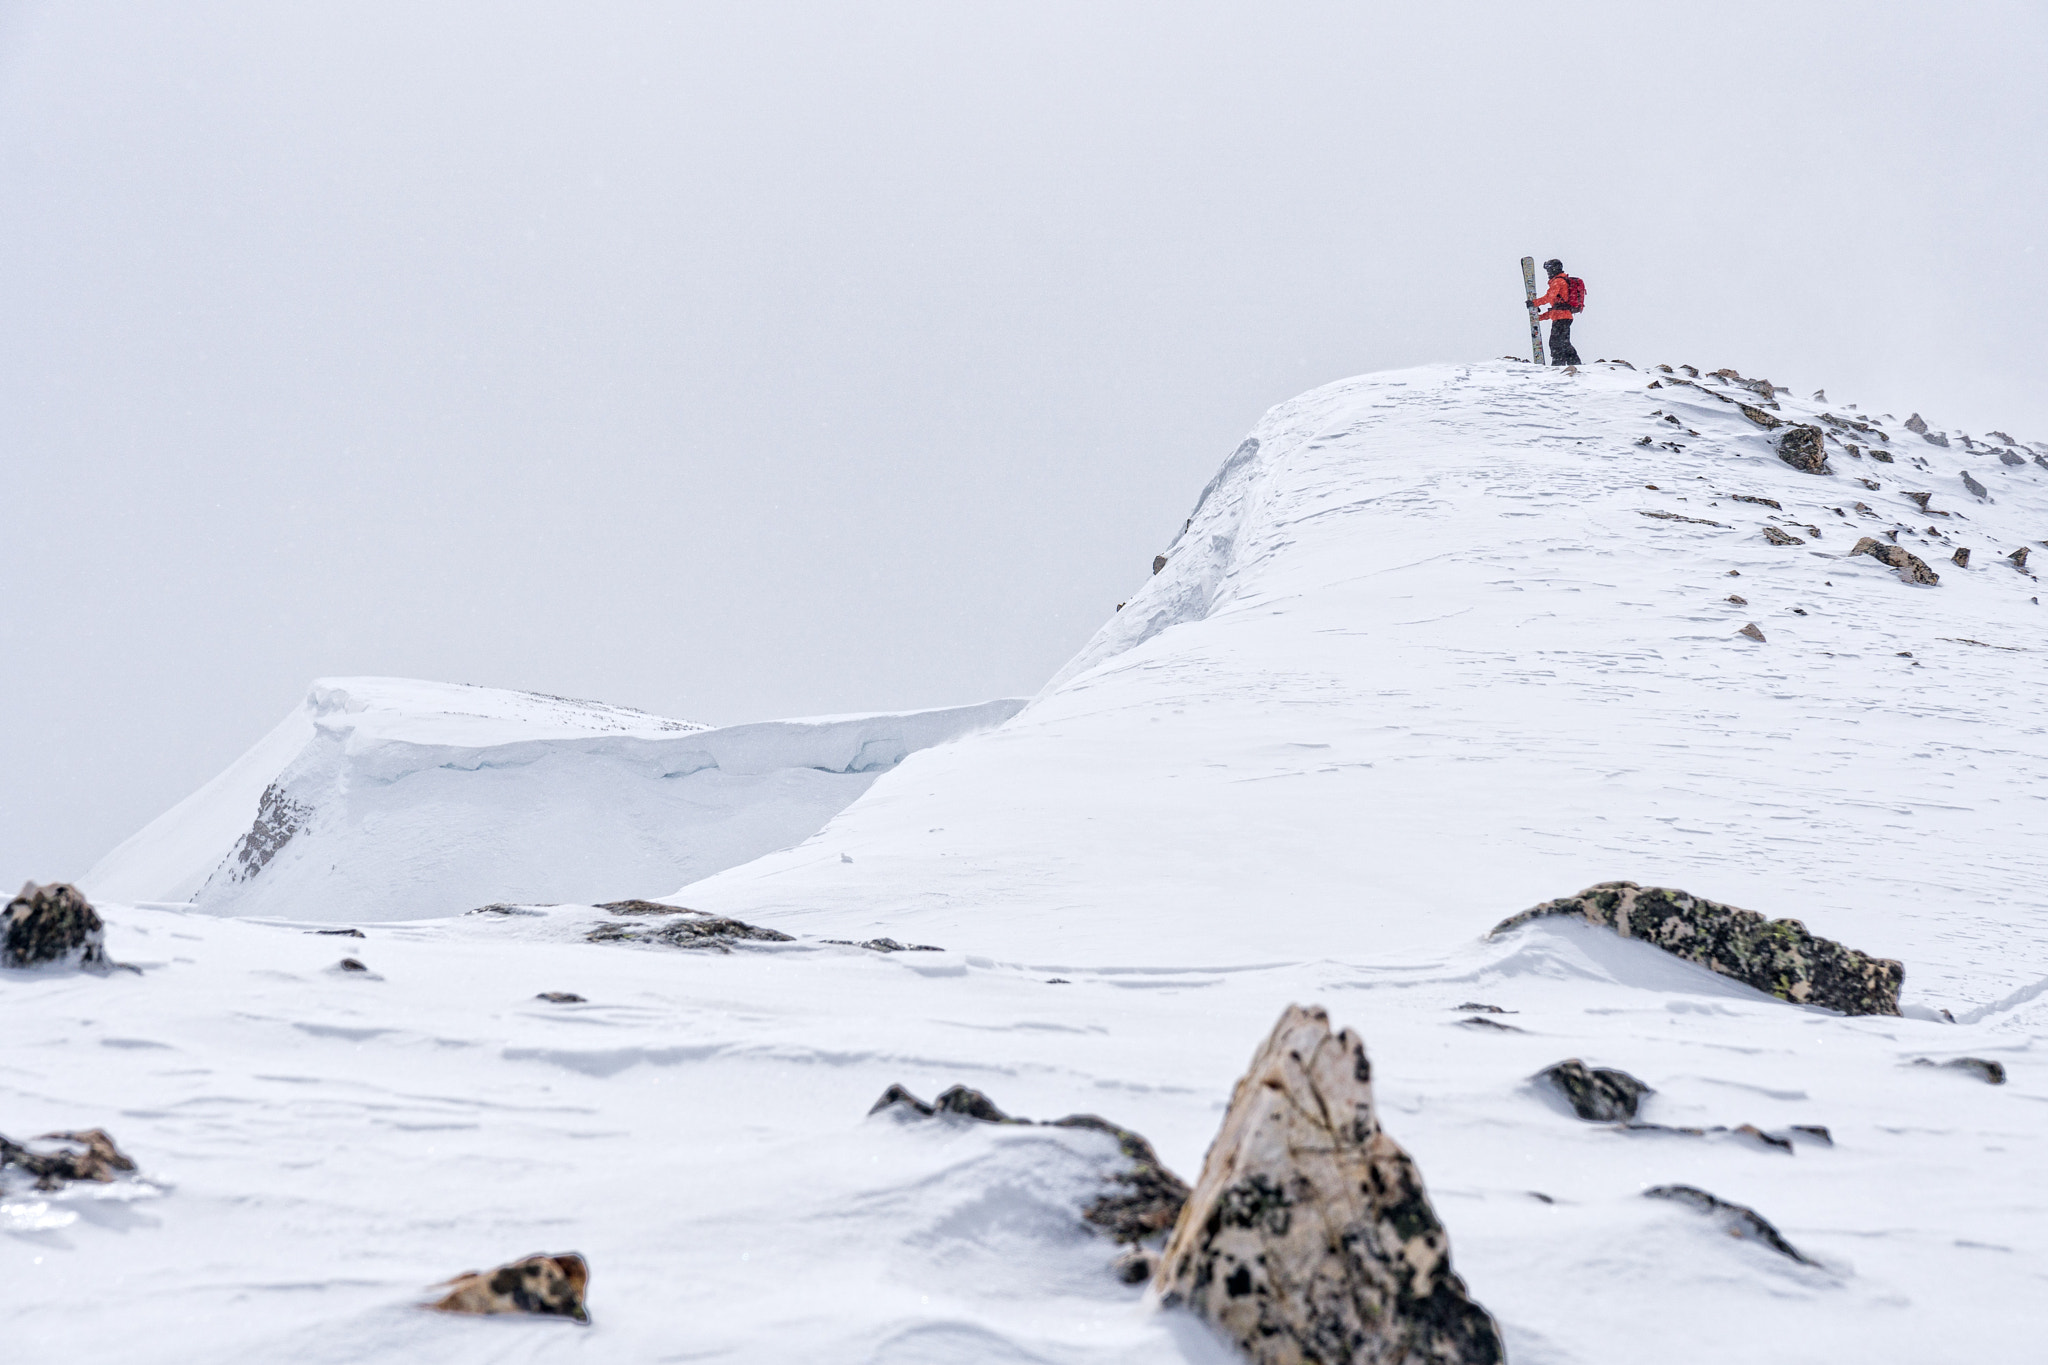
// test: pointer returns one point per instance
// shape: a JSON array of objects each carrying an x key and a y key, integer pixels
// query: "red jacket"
[{"x": 1553, "y": 299}]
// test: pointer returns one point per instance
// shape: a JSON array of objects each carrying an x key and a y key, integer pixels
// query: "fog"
[{"x": 740, "y": 361}]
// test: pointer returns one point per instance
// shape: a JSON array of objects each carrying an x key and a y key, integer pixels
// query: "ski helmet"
[{"x": 1554, "y": 266}]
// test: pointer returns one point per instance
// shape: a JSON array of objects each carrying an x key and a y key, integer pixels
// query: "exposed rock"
[
  {"x": 1738, "y": 599},
  {"x": 1758, "y": 416},
  {"x": 1778, "y": 537},
  {"x": 1921, "y": 499},
  {"x": 1990, "y": 1072},
  {"x": 641, "y": 907},
  {"x": 53, "y": 923},
  {"x": 1804, "y": 449},
  {"x": 1146, "y": 1199},
  {"x": 1962, "y": 557},
  {"x": 2011, "y": 457},
  {"x": 1738, "y": 1220},
  {"x": 1771, "y": 503},
  {"x": 1776, "y": 956},
  {"x": 1673, "y": 516},
  {"x": 543, "y": 1285},
  {"x": 1480, "y": 1021},
  {"x": 1309, "y": 1236},
  {"x": 2001, "y": 436},
  {"x": 1596, "y": 1094},
  {"x": 1158, "y": 563},
  {"x": 1911, "y": 567},
  {"x": 1915, "y": 425},
  {"x": 350, "y": 964},
  {"x": 1476, "y": 1008},
  {"x": 342, "y": 933},
  {"x": 1934, "y": 438},
  {"x": 86, "y": 1155},
  {"x": 1881, "y": 456},
  {"x": 885, "y": 945},
  {"x": 1977, "y": 490},
  {"x": 278, "y": 818},
  {"x": 1134, "y": 1265},
  {"x": 1752, "y": 632},
  {"x": 2019, "y": 558},
  {"x": 560, "y": 997},
  {"x": 688, "y": 929}
]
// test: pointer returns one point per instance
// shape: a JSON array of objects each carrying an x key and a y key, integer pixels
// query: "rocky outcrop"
[
  {"x": 542, "y": 1285},
  {"x": 885, "y": 945},
  {"x": 53, "y": 923},
  {"x": 1778, "y": 537},
  {"x": 1144, "y": 1198},
  {"x": 2019, "y": 558},
  {"x": 1776, "y": 956},
  {"x": 686, "y": 929},
  {"x": 1309, "y": 1236},
  {"x": 1805, "y": 449},
  {"x": 86, "y": 1155},
  {"x": 1737, "y": 1220},
  {"x": 1596, "y": 1094},
  {"x": 1985, "y": 1070},
  {"x": 1962, "y": 557},
  {"x": 1911, "y": 567},
  {"x": 1759, "y": 416},
  {"x": 1977, "y": 490}
]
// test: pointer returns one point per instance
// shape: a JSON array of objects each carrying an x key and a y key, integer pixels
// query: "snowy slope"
[
  {"x": 1419, "y": 661},
  {"x": 388, "y": 798}
]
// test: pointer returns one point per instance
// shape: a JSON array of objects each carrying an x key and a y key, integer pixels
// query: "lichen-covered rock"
[
  {"x": 1737, "y": 1220},
  {"x": 1596, "y": 1094},
  {"x": 53, "y": 923},
  {"x": 1146, "y": 1197},
  {"x": 550, "y": 1286},
  {"x": 1805, "y": 449},
  {"x": 1777, "y": 956},
  {"x": 86, "y": 1155},
  {"x": 1778, "y": 537},
  {"x": 1962, "y": 557},
  {"x": 687, "y": 929},
  {"x": 1759, "y": 416},
  {"x": 1309, "y": 1237},
  {"x": 1911, "y": 567},
  {"x": 2019, "y": 558}
]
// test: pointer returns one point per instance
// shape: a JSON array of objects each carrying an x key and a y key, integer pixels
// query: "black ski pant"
[{"x": 1562, "y": 352}]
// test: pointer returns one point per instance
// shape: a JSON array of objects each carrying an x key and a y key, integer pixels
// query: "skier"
[{"x": 1565, "y": 297}]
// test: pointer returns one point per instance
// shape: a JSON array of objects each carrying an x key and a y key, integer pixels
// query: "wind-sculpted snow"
[
  {"x": 1418, "y": 663},
  {"x": 411, "y": 799}
]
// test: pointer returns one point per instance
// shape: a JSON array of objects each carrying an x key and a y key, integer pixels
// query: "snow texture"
[{"x": 1419, "y": 661}]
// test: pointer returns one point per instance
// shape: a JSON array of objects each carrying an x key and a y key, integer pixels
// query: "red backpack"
[{"x": 1575, "y": 293}]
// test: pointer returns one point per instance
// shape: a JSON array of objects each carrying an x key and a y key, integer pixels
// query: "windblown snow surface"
[{"x": 1435, "y": 646}]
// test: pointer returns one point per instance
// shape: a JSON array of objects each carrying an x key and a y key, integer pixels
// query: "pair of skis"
[{"x": 1535, "y": 329}]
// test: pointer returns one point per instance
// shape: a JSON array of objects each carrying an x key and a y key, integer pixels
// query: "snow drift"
[{"x": 385, "y": 798}]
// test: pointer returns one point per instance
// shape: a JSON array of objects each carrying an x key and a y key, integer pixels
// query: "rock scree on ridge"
[
  {"x": 1776, "y": 956},
  {"x": 1148, "y": 1197},
  {"x": 542, "y": 1285},
  {"x": 53, "y": 923},
  {"x": 1309, "y": 1236}
]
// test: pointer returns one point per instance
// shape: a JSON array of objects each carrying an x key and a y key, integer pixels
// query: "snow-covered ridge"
[{"x": 385, "y": 798}]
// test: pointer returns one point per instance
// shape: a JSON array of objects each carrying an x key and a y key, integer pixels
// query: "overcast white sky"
[{"x": 746, "y": 360}]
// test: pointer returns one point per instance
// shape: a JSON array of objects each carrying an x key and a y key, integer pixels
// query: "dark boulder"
[
  {"x": 1985, "y": 1070},
  {"x": 86, "y": 1155},
  {"x": 53, "y": 923},
  {"x": 687, "y": 929},
  {"x": 1596, "y": 1094},
  {"x": 1776, "y": 956},
  {"x": 1737, "y": 1220},
  {"x": 1805, "y": 449},
  {"x": 1911, "y": 567},
  {"x": 1145, "y": 1198}
]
